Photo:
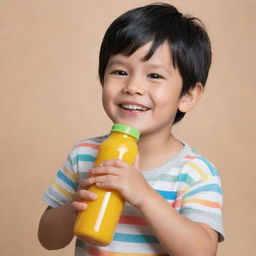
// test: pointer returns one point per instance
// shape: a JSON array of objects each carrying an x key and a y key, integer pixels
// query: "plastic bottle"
[{"x": 97, "y": 223}]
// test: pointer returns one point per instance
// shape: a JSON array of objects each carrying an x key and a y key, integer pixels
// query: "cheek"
[
  {"x": 162, "y": 98},
  {"x": 166, "y": 101},
  {"x": 107, "y": 96},
  {"x": 104, "y": 97}
]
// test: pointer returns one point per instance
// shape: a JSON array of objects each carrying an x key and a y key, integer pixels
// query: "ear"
[{"x": 189, "y": 100}]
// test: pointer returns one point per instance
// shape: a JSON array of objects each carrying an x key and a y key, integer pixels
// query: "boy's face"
[{"x": 143, "y": 94}]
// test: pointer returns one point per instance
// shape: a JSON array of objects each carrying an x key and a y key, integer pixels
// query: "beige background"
[{"x": 51, "y": 98}]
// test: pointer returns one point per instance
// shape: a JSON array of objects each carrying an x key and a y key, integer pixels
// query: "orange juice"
[{"x": 97, "y": 223}]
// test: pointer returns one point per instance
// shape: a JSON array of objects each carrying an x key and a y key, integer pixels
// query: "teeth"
[{"x": 133, "y": 107}]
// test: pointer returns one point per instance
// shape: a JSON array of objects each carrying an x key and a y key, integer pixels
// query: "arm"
[
  {"x": 56, "y": 225},
  {"x": 177, "y": 234}
]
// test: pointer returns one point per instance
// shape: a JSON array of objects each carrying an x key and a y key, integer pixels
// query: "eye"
[
  {"x": 155, "y": 76},
  {"x": 118, "y": 73}
]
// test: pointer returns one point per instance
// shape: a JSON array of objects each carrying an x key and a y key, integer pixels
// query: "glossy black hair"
[{"x": 188, "y": 40}]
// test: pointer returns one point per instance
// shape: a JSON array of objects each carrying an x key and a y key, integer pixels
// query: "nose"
[{"x": 133, "y": 87}]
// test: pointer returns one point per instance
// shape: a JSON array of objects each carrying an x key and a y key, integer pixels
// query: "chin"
[{"x": 133, "y": 124}]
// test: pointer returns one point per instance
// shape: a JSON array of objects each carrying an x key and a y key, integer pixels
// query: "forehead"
[{"x": 162, "y": 55}]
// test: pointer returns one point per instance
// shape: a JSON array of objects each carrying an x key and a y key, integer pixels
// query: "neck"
[{"x": 156, "y": 149}]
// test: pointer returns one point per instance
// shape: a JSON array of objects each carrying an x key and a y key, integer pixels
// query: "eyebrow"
[
  {"x": 116, "y": 62},
  {"x": 157, "y": 66}
]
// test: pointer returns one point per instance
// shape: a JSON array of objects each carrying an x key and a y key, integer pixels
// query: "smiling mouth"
[{"x": 134, "y": 108}]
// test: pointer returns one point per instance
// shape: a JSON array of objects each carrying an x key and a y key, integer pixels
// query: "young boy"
[{"x": 153, "y": 65}]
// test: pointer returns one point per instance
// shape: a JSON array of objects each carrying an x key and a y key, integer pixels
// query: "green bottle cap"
[{"x": 126, "y": 129}]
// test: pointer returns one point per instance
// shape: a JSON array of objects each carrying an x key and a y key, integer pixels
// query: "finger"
[
  {"x": 78, "y": 206},
  {"x": 85, "y": 183},
  {"x": 107, "y": 181},
  {"x": 114, "y": 162},
  {"x": 108, "y": 185},
  {"x": 108, "y": 169},
  {"x": 82, "y": 194}
]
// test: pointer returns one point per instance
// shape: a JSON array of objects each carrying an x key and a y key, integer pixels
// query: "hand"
[
  {"x": 119, "y": 175},
  {"x": 82, "y": 194}
]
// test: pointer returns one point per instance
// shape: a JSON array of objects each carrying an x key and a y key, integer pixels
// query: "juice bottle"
[{"x": 97, "y": 223}]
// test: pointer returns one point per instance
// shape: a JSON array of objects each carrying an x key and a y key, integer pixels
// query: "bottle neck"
[{"x": 123, "y": 135}]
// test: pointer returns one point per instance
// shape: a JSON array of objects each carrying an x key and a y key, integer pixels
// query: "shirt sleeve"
[
  {"x": 64, "y": 185},
  {"x": 201, "y": 201}
]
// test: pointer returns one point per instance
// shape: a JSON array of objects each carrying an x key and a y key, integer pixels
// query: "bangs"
[{"x": 130, "y": 40}]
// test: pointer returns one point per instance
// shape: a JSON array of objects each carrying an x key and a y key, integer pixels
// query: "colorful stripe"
[
  {"x": 65, "y": 192},
  {"x": 72, "y": 176},
  {"x": 202, "y": 174},
  {"x": 132, "y": 220},
  {"x": 88, "y": 145},
  {"x": 130, "y": 238},
  {"x": 189, "y": 157},
  {"x": 83, "y": 158},
  {"x": 67, "y": 180},
  {"x": 204, "y": 189},
  {"x": 184, "y": 177},
  {"x": 168, "y": 195},
  {"x": 96, "y": 252},
  {"x": 177, "y": 204},
  {"x": 207, "y": 203},
  {"x": 211, "y": 168},
  {"x": 166, "y": 177}
]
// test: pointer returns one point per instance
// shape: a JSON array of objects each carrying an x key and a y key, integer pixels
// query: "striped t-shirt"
[{"x": 187, "y": 181}]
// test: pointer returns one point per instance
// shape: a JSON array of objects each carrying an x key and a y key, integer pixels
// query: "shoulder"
[
  {"x": 88, "y": 145},
  {"x": 200, "y": 192},
  {"x": 85, "y": 150},
  {"x": 91, "y": 142},
  {"x": 198, "y": 168}
]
